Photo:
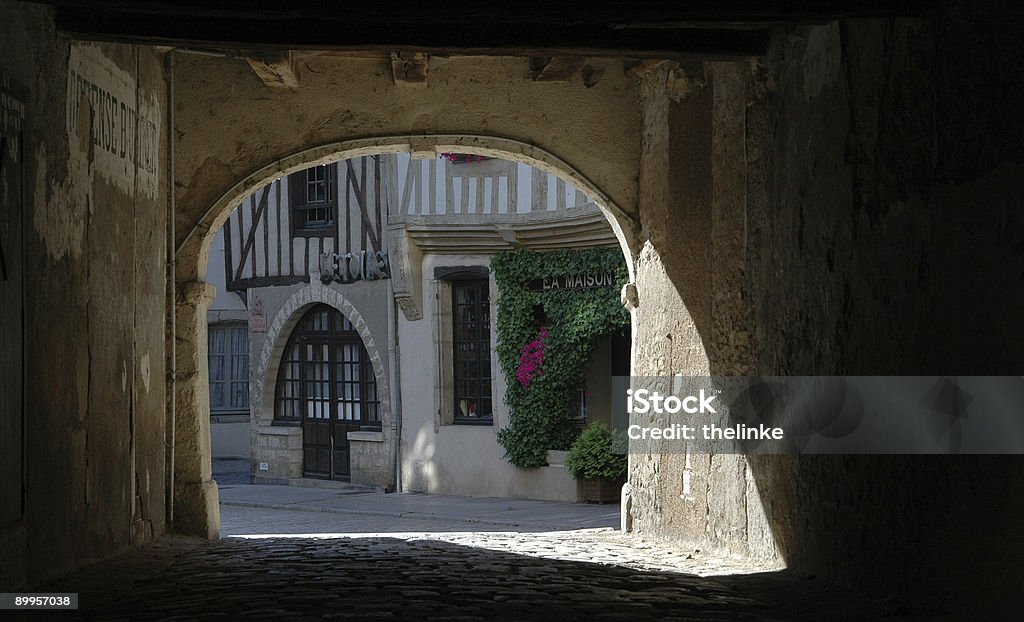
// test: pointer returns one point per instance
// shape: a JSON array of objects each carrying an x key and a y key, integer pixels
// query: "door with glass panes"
[{"x": 327, "y": 385}]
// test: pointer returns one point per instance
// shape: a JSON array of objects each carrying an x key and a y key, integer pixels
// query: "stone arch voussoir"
[{"x": 280, "y": 329}]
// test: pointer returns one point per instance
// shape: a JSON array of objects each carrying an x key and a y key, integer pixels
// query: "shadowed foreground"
[{"x": 429, "y": 576}]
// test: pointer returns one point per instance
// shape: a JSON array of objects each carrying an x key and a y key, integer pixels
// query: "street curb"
[{"x": 415, "y": 515}]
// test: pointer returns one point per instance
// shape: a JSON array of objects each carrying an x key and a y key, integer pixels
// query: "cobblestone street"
[{"x": 425, "y": 569}]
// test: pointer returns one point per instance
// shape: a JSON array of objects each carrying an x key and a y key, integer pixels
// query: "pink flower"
[
  {"x": 458, "y": 158},
  {"x": 531, "y": 358}
]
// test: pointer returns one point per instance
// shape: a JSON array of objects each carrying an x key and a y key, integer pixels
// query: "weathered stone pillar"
[
  {"x": 672, "y": 283},
  {"x": 196, "y": 500},
  {"x": 691, "y": 315},
  {"x": 732, "y": 316}
]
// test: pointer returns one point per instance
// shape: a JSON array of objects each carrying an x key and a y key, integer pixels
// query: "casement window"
[
  {"x": 314, "y": 200},
  {"x": 464, "y": 327},
  {"x": 229, "y": 367},
  {"x": 471, "y": 342}
]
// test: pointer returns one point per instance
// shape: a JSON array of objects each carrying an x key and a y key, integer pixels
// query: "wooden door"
[
  {"x": 317, "y": 438},
  {"x": 337, "y": 395}
]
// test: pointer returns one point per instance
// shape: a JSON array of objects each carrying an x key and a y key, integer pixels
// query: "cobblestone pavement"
[{"x": 416, "y": 570}]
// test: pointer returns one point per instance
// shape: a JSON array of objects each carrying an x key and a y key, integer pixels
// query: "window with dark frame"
[
  {"x": 228, "y": 359},
  {"x": 326, "y": 372},
  {"x": 471, "y": 339},
  {"x": 314, "y": 200}
]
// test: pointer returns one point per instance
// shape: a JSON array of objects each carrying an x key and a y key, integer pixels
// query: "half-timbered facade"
[{"x": 365, "y": 289}]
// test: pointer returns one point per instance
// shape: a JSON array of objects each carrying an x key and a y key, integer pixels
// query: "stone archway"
[
  {"x": 611, "y": 141},
  {"x": 196, "y": 496}
]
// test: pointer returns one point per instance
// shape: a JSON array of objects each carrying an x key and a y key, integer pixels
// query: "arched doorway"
[{"x": 326, "y": 385}]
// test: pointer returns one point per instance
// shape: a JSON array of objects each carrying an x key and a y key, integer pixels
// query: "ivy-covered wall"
[{"x": 546, "y": 337}]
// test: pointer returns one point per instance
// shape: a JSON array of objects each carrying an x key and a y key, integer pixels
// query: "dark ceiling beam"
[
  {"x": 638, "y": 14},
  {"x": 335, "y": 33}
]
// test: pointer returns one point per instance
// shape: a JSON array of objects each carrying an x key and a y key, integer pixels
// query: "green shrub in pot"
[{"x": 593, "y": 455}]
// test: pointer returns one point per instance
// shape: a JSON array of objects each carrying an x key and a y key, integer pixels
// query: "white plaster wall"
[
  {"x": 459, "y": 459},
  {"x": 225, "y": 300},
  {"x": 423, "y": 188},
  {"x": 227, "y": 439},
  {"x": 231, "y": 440}
]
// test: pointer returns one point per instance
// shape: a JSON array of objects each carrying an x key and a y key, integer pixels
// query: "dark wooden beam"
[
  {"x": 251, "y": 238},
  {"x": 491, "y": 39},
  {"x": 266, "y": 281},
  {"x": 360, "y": 192},
  {"x": 582, "y": 13}
]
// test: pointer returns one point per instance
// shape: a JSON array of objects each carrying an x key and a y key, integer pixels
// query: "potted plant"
[{"x": 593, "y": 461}]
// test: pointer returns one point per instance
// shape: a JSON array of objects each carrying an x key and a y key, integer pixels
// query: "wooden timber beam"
[
  {"x": 465, "y": 39},
  {"x": 645, "y": 29},
  {"x": 568, "y": 13}
]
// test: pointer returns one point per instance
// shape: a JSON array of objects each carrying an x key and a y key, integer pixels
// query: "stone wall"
[
  {"x": 371, "y": 461},
  {"x": 280, "y": 448},
  {"x": 869, "y": 225},
  {"x": 893, "y": 244},
  {"x": 689, "y": 311},
  {"x": 232, "y": 140},
  {"x": 850, "y": 204},
  {"x": 94, "y": 264}
]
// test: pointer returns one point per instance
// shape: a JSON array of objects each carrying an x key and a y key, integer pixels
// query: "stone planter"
[{"x": 601, "y": 490}]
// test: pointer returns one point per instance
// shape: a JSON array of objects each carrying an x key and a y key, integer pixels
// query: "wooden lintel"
[
  {"x": 559, "y": 68},
  {"x": 275, "y": 68},
  {"x": 410, "y": 68}
]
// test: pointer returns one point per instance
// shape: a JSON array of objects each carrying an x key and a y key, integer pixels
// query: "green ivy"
[{"x": 577, "y": 321}]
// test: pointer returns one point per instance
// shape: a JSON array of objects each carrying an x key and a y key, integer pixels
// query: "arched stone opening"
[
  {"x": 265, "y": 386},
  {"x": 196, "y": 493},
  {"x": 194, "y": 247}
]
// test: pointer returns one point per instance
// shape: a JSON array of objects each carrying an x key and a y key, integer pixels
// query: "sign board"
[
  {"x": 112, "y": 129},
  {"x": 258, "y": 317},
  {"x": 352, "y": 267},
  {"x": 583, "y": 280}
]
